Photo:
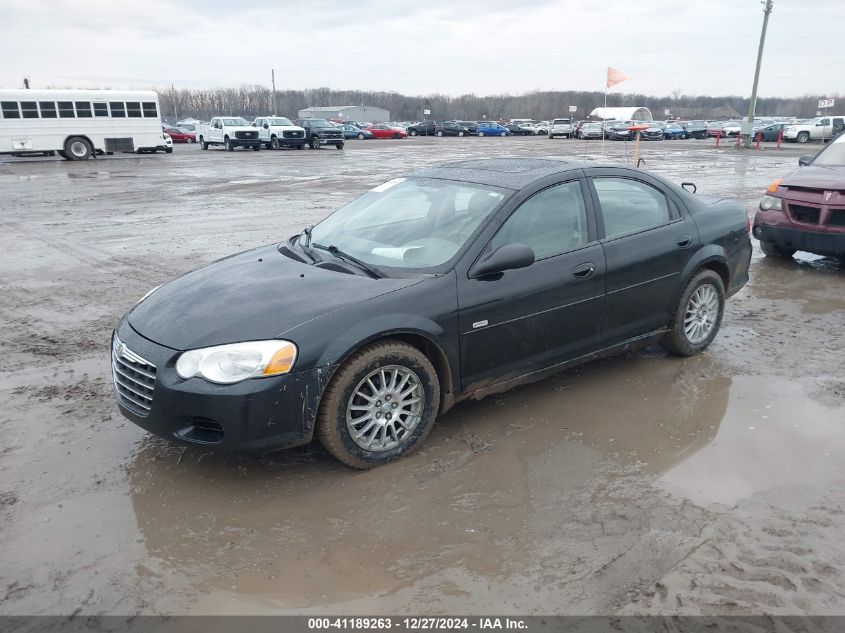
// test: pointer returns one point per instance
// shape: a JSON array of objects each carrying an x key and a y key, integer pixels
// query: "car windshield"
[
  {"x": 561, "y": 122},
  {"x": 235, "y": 121},
  {"x": 279, "y": 121},
  {"x": 320, "y": 123},
  {"x": 408, "y": 223},
  {"x": 833, "y": 155}
]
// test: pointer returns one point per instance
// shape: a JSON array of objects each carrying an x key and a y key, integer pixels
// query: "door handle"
[
  {"x": 684, "y": 241},
  {"x": 584, "y": 270}
]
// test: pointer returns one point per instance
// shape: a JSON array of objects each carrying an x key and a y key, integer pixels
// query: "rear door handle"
[
  {"x": 584, "y": 270},
  {"x": 684, "y": 241}
]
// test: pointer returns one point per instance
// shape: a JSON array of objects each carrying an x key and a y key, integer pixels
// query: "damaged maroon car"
[{"x": 806, "y": 210}]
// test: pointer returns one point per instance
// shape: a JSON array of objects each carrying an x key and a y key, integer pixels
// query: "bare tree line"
[{"x": 250, "y": 101}]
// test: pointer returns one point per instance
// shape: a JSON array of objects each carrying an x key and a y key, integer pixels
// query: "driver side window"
[{"x": 550, "y": 222}]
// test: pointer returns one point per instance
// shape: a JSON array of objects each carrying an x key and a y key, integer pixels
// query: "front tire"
[
  {"x": 274, "y": 143},
  {"x": 697, "y": 316},
  {"x": 412, "y": 132},
  {"x": 802, "y": 137},
  {"x": 380, "y": 405},
  {"x": 460, "y": 133},
  {"x": 168, "y": 150},
  {"x": 230, "y": 147},
  {"x": 773, "y": 250},
  {"x": 481, "y": 133},
  {"x": 77, "y": 148}
]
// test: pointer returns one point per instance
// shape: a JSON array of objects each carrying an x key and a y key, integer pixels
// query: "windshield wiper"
[{"x": 371, "y": 270}]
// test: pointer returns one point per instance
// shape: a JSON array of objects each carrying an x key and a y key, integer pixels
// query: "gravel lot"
[{"x": 638, "y": 484}]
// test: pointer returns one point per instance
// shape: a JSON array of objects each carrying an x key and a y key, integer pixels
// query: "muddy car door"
[
  {"x": 647, "y": 242},
  {"x": 530, "y": 318}
]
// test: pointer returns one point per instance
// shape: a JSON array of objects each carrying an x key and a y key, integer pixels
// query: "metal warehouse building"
[
  {"x": 368, "y": 114},
  {"x": 622, "y": 114}
]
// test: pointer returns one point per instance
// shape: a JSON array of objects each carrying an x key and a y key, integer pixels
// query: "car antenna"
[{"x": 307, "y": 232}]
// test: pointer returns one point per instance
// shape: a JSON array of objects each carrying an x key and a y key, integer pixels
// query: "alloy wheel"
[{"x": 701, "y": 314}]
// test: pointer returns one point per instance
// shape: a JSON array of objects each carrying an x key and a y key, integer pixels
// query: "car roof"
[{"x": 510, "y": 173}]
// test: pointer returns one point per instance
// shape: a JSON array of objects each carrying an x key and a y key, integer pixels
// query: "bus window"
[
  {"x": 29, "y": 109},
  {"x": 150, "y": 109},
  {"x": 118, "y": 110},
  {"x": 66, "y": 109},
  {"x": 101, "y": 109},
  {"x": 134, "y": 109},
  {"x": 48, "y": 109},
  {"x": 83, "y": 109},
  {"x": 10, "y": 109}
]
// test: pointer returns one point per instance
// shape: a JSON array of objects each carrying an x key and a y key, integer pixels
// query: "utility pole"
[
  {"x": 173, "y": 96},
  {"x": 26, "y": 83},
  {"x": 752, "y": 105},
  {"x": 273, "y": 79}
]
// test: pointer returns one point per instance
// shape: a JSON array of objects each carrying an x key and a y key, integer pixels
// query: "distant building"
[
  {"x": 368, "y": 114},
  {"x": 622, "y": 114}
]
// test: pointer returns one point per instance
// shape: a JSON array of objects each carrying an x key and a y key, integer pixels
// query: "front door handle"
[
  {"x": 684, "y": 241},
  {"x": 584, "y": 270}
]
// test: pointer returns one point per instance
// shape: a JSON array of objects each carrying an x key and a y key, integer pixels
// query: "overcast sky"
[{"x": 707, "y": 47}]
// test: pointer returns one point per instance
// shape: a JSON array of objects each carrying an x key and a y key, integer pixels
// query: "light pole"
[
  {"x": 752, "y": 105},
  {"x": 273, "y": 79}
]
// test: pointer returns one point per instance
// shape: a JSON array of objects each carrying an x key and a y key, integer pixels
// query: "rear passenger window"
[
  {"x": 133, "y": 109},
  {"x": 29, "y": 109},
  {"x": 551, "y": 222},
  {"x": 66, "y": 109},
  {"x": 48, "y": 109},
  {"x": 118, "y": 110},
  {"x": 630, "y": 206},
  {"x": 83, "y": 109},
  {"x": 101, "y": 109},
  {"x": 10, "y": 109},
  {"x": 150, "y": 109}
]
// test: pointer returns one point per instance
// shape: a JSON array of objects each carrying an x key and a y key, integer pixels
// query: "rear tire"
[
  {"x": 77, "y": 148},
  {"x": 412, "y": 132},
  {"x": 772, "y": 250},
  {"x": 361, "y": 136},
  {"x": 300, "y": 146},
  {"x": 315, "y": 142},
  {"x": 481, "y": 133},
  {"x": 697, "y": 316},
  {"x": 203, "y": 144},
  {"x": 339, "y": 146},
  {"x": 337, "y": 420},
  {"x": 256, "y": 148}
]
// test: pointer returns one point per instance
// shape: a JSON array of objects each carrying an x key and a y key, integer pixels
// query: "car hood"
[
  {"x": 255, "y": 295},
  {"x": 295, "y": 128},
  {"x": 816, "y": 177}
]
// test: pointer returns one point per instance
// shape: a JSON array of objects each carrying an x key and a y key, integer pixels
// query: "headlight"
[
  {"x": 770, "y": 203},
  {"x": 227, "y": 364}
]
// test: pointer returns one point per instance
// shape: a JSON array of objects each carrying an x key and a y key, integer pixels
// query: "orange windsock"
[{"x": 615, "y": 77}]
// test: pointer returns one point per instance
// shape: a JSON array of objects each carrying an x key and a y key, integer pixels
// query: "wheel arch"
[
  {"x": 711, "y": 257},
  {"x": 419, "y": 339}
]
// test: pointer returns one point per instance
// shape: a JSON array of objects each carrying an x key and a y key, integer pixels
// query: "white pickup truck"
[
  {"x": 228, "y": 131},
  {"x": 277, "y": 132},
  {"x": 821, "y": 127}
]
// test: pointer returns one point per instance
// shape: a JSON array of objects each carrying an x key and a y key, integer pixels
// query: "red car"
[
  {"x": 805, "y": 211},
  {"x": 385, "y": 131},
  {"x": 180, "y": 136}
]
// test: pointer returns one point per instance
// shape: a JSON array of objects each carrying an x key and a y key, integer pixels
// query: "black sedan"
[
  {"x": 519, "y": 130},
  {"x": 695, "y": 129},
  {"x": 454, "y": 282},
  {"x": 769, "y": 133},
  {"x": 652, "y": 133},
  {"x": 450, "y": 128},
  {"x": 471, "y": 126},
  {"x": 618, "y": 132}
]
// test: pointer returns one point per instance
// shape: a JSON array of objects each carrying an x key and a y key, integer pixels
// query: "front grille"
[
  {"x": 807, "y": 215},
  {"x": 837, "y": 218},
  {"x": 246, "y": 135},
  {"x": 292, "y": 134},
  {"x": 134, "y": 378}
]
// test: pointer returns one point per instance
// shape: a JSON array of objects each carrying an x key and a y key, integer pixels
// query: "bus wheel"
[
  {"x": 77, "y": 148},
  {"x": 61, "y": 153}
]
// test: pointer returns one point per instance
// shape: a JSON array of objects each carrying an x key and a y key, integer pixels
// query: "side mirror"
[
  {"x": 803, "y": 161},
  {"x": 266, "y": 126},
  {"x": 507, "y": 257}
]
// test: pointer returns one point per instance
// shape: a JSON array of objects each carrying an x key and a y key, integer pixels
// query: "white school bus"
[{"x": 77, "y": 123}]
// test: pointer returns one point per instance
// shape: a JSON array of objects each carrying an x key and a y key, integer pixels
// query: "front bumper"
[
  {"x": 329, "y": 140},
  {"x": 256, "y": 414},
  {"x": 245, "y": 142},
  {"x": 286, "y": 141},
  {"x": 792, "y": 238}
]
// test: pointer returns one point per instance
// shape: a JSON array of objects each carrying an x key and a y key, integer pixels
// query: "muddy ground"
[{"x": 638, "y": 484}]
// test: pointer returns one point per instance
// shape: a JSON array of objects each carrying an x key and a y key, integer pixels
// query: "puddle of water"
[{"x": 771, "y": 436}]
